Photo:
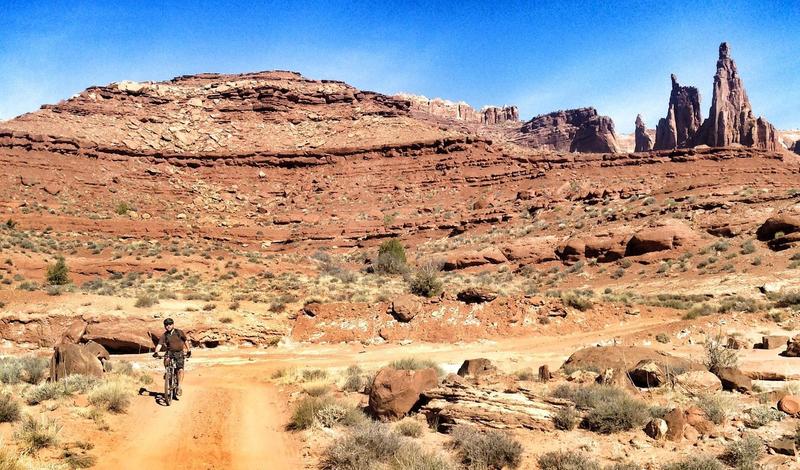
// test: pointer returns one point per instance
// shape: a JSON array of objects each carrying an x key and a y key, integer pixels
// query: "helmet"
[{"x": 169, "y": 321}]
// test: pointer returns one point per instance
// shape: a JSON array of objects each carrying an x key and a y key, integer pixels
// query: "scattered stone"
[
  {"x": 676, "y": 424},
  {"x": 734, "y": 380},
  {"x": 737, "y": 343},
  {"x": 544, "y": 373},
  {"x": 476, "y": 295},
  {"x": 784, "y": 446},
  {"x": 792, "y": 347},
  {"x": 698, "y": 382},
  {"x": 773, "y": 342},
  {"x": 70, "y": 359},
  {"x": 404, "y": 308},
  {"x": 790, "y": 405},
  {"x": 657, "y": 429}
]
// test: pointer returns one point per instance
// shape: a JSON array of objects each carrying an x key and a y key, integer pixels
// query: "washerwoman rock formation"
[
  {"x": 574, "y": 130},
  {"x": 683, "y": 118},
  {"x": 643, "y": 142}
]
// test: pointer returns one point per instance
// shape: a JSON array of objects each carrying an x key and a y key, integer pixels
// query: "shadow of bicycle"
[{"x": 157, "y": 396}]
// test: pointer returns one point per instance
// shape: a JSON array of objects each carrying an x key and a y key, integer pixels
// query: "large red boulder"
[
  {"x": 121, "y": 336},
  {"x": 665, "y": 235},
  {"x": 395, "y": 392},
  {"x": 84, "y": 359}
]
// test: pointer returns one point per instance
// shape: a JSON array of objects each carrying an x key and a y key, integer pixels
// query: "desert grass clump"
[
  {"x": 409, "y": 428},
  {"x": 111, "y": 396},
  {"x": 58, "y": 273},
  {"x": 310, "y": 375},
  {"x": 425, "y": 282},
  {"x": 317, "y": 390},
  {"x": 716, "y": 407},
  {"x": 10, "y": 409},
  {"x": 761, "y": 416},
  {"x": 35, "y": 434},
  {"x": 325, "y": 411},
  {"x": 581, "y": 300},
  {"x": 78, "y": 458},
  {"x": 11, "y": 461},
  {"x": 566, "y": 418},
  {"x": 412, "y": 363},
  {"x": 745, "y": 453},
  {"x": 479, "y": 450},
  {"x": 411, "y": 457},
  {"x": 567, "y": 460},
  {"x": 622, "y": 413},
  {"x": 145, "y": 301},
  {"x": 354, "y": 379},
  {"x": 32, "y": 369},
  {"x": 362, "y": 448},
  {"x": 704, "y": 462},
  {"x": 44, "y": 392}
]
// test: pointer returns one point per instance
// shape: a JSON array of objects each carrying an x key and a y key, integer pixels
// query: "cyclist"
[{"x": 176, "y": 344}]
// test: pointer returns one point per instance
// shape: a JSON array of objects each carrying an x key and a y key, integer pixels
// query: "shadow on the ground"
[{"x": 158, "y": 396}]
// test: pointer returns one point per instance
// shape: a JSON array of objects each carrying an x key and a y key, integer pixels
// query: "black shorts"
[{"x": 178, "y": 357}]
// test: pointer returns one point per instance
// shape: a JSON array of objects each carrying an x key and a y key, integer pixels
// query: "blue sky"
[{"x": 539, "y": 55}]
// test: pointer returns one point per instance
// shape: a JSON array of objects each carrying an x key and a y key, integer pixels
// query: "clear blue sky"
[{"x": 539, "y": 55}]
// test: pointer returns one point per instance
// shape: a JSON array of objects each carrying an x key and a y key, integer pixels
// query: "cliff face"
[
  {"x": 731, "y": 119},
  {"x": 683, "y": 119},
  {"x": 574, "y": 130}
]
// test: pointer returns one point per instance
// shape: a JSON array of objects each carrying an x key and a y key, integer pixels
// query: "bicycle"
[{"x": 170, "y": 378}]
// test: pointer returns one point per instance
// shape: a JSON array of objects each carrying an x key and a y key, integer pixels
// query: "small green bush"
[
  {"x": 566, "y": 419},
  {"x": 10, "y": 409},
  {"x": 43, "y": 392},
  {"x": 695, "y": 463},
  {"x": 122, "y": 208},
  {"x": 662, "y": 338},
  {"x": 411, "y": 457},
  {"x": 480, "y": 450},
  {"x": 567, "y": 460},
  {"x": 58, "y": 273},
  {"x": 310, "y": 375},
  {"x": 745, "y": 453},
  {"x": 391, "y": 258},
  {"x": 577, "y": 299},
  {"x": 425, "y": 282}
]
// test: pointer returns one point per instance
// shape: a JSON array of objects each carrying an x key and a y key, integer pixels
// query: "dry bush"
[
  {"x": 325, "y": 411},
  {"x": 412, "y": 363},
  {"x": 362, "y": 448},
  {"x": 695, "y": 463},
  {"x": 425, "y": 282},
  {"x": 717, "y": 355},
  {"x": 567, "y": 460},
  {"x": 411, "y": 457},
  {"x": 478, "y": 450},
  {"x": 10, "y": 409},
  {"x": 566, "y": 418},
  {"x": 745, "y": 453},
  {"x": 409, "y": 428},
  {"x": 761, "y": 416},
  {"x": 112, "y": 396},
  {"x": 34, "y": 434},
  {"x": 716, "y": 407}
]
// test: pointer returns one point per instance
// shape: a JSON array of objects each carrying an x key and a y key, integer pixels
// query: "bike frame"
[{"x": 170, "y": 379}]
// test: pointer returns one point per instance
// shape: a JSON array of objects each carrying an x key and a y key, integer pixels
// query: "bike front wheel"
[{"x": 168, "y": 387}]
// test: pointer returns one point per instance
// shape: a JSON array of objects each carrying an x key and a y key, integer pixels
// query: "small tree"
[
  {"x": 391, "y": 258},
  {"x": 58, "y": 273},
  {"x": 123, "y": 208},
  {"x": 717, "y": 355}
]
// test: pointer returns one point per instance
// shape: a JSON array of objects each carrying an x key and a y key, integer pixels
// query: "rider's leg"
[{"x": 180, "y": 378}]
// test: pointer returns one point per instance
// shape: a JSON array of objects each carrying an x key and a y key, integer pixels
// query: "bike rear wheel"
[{"x": 168, "y": 386}]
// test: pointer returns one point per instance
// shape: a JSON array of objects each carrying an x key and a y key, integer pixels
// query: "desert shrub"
[
  {"x": 326, "y": 411},
  {"x": 567, "y": 460},
  {"x": 78, "y": 458},
  {"x": 122, "y": 208},
  {"x": 391, "y": 258},
  {"x": 566, "y": 419},
  {"x": 662, "y": 338},
  {"x": 411, "y": 457},
  {"x": 761, "y": 416},
  {"x": 310, "y": 375},
  {"x": 10, "y": 461},
  {"x": 121, "y": 367},
  {"x": 145, "y": 301},
  {"x": 10, "y": 409},
  {"x": 716, "y": 407},
  {"x": 744, "y": 453},
  {"x": 788, "y": 299},
  {"x": 623, "y": 466},
  {"x": 748, "y": 247},
  {"x": 478, "y": 450},
  {"x": 412, "y": 363},
  {"x": 354, "y": 379},
  {"x": 32, "y": 369},
  {"x": 589, "y": 397},
  {"x": 699, "y": 310},
  {"x": 717, "y": 355},
  {"x": 695, "y": 463},
  {"x": 409, "y": 428},
  {"x": 362, "y": 448},
  {"x": 111, "y": 396},
  {"x": 58, "y": 273},
  {"x": 425, "y": 282},
  {"x": 35, "y": 434},
  {"x": 580, "y": 300},
  {"x": 43, "y": 392},
  {"x": 622, "y": 413},
  {"x": 317, "y": 390}
]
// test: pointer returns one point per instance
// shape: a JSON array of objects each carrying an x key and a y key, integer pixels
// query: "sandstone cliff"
[{"x": 574, "y": 130}]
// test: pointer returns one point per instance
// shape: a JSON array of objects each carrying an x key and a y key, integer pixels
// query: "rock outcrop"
[
  {"x": 663, "y": 235},
  {"x": 84, "y": 359},
  {"x": 461, "y": 111},
  {"x": 574, "y": 130},
  {"x": 796, "y": 147},
  {"x": 395, "y": 392},
  {"x": 683, "y": 119},
  {"x": 643, "y": 142},
  {"x": 731, "y": 120}
]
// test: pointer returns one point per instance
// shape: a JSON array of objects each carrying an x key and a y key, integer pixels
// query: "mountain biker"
[{"x": 174, "y": 340}]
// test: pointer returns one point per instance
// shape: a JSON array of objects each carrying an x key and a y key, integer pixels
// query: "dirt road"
[{"x": 226, "y": 419}]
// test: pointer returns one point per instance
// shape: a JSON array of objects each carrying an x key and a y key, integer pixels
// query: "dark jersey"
[{"x": 173, "y": 340}]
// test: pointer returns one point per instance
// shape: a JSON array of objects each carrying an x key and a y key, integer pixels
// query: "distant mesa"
[
  {"x": 461, "y": 111},
  {"x": 730, "y": 120},
  {"x": 573, "y": 130}
]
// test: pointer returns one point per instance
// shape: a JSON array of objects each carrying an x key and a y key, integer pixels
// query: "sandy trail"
[{"x": 226, "y": 419}]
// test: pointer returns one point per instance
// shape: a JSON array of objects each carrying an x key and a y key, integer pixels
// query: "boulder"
[
  {"x": 676, "y": 423},
  {"x": 642, "y": 140},
  {"x": 737, "y": 343},
  {"x": 661, "y": 236},
  {"x": 786, "y": 223},
  {"x": 74, "y": 333},
  {"x": 657, "y": 429},
  {"x": 467, "y": 259},
  {"x": 476, "y": 295},
  {"x": 698, "y": 382},
  {"x": 395, "y": 392},
  {"x": 734, "y": 380},
  {"x": 773, "y": 341},
  {"x": 121, "y": 337},
  {"x": 624, "y": 358},
  {"x": 531, "y": 250},
  {"x": 790, "y": 405},
  {"x": 697, "y": 418},
  {"x": 476, "y": 368},
  {"x": 405, "y": 307},
  {"x": 69, "y": 359},
  {"x": 784, "y": 446},
  {"x": 792, "y": 347},
  {"x": 647, "y": 374},
  {"x": 683, "y": 120}
]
